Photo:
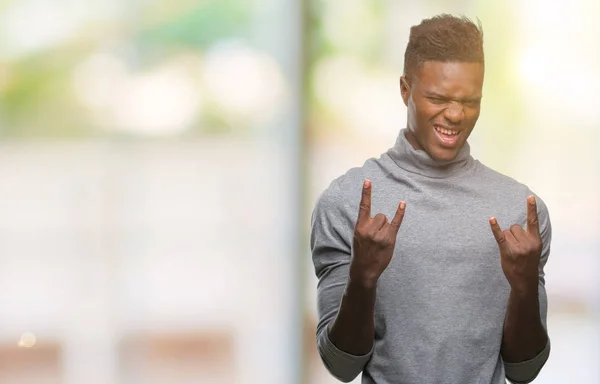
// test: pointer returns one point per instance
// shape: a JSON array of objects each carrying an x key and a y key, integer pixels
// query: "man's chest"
[{"x": 446, "y": 265}]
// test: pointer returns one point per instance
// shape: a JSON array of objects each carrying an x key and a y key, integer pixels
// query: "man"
[{"x": 450, "y": 288}]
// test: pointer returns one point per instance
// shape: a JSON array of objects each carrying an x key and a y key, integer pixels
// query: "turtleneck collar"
[{"x": 418, "y": 161}]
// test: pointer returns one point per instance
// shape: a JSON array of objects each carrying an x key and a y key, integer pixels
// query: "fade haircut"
[{"x": 444, "y": 38}]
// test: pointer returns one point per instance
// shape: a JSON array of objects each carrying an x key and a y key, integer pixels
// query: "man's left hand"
[{"x": 520, "y": 250}]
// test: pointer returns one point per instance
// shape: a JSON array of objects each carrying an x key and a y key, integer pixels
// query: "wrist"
[
  {"x": 360, "y": 276},
  {"x": 362, "y": 283},
  {"x": 523, "y": 289}
]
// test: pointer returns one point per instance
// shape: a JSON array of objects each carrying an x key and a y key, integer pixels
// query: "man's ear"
[{"x": 404, "y": 89}]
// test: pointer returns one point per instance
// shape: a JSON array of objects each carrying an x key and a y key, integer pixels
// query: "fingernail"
[
  {"x": 493, "y": 221},
  {"x": 402, "y": 205},
  {"x": 366, "y": 183},
  {"x": 531, "y": 199}
]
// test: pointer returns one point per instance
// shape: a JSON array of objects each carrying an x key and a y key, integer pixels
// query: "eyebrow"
[{"x": 436, "y": 95}]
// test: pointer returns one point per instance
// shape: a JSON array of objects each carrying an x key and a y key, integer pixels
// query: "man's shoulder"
[
  {"x": 506, "y": 187},
  {"x": 347, "y": 182},
  {"x": 340, "y": 189},
  {"x": 496, "y": 179},
  {"x": 344, "y": 191}
]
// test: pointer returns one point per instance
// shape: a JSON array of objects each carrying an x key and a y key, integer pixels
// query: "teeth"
[{"x": 446, "y": 131}]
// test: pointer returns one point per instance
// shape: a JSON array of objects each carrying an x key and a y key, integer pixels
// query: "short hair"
[{"x": 443, "y": 38}]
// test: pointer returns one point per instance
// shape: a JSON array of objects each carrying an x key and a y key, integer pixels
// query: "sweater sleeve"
[
  {"x": 526, "y": 371},
  {"x": 330, "y": 240}
]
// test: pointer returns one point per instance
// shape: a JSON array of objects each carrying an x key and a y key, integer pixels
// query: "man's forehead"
[{"x": 448, "y": 75}]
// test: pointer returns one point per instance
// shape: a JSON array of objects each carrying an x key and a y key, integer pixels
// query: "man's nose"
[{"x": 454, "y": 113}]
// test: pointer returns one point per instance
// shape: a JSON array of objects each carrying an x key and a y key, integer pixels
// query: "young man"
[{"x": 450, "y": 288}]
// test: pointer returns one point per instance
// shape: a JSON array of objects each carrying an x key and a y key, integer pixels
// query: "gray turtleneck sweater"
[{"x": 441, "y": 303}]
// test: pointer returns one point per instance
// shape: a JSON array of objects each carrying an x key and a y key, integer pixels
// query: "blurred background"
[{"x": 159, "y": 161}]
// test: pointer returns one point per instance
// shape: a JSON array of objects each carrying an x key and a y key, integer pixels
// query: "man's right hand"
[{"x": 374, "y": 240}]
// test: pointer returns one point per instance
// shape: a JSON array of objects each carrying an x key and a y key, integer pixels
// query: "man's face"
[{"x": 443, "y": 100}]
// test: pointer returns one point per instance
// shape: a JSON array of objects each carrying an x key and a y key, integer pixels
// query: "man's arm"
[
  {"x": 346, "y": 342},
  {"x": 331, "y": 239},
  {"x": 524, "y": 336},
  {"x": 525, "y": 343},
  {"x": 348, "y": 278},
  {"x": 355, "y": 317}
]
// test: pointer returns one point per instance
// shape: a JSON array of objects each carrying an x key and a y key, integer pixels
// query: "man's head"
[{"x": 442, "y": 84}]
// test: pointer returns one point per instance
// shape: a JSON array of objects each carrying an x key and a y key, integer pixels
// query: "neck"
[
  {"x": 409, "y": 155},
  {"x": 410, "y": 137}
]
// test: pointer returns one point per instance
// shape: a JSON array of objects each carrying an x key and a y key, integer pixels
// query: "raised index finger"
[
  {"x": 533, "y": 222},
  {"x": 364, "y": 210}
]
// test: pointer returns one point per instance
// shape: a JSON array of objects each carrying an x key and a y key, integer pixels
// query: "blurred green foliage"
[
  {"x": 199, "y": 26},
  {"x": 36, "y": 93}
]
